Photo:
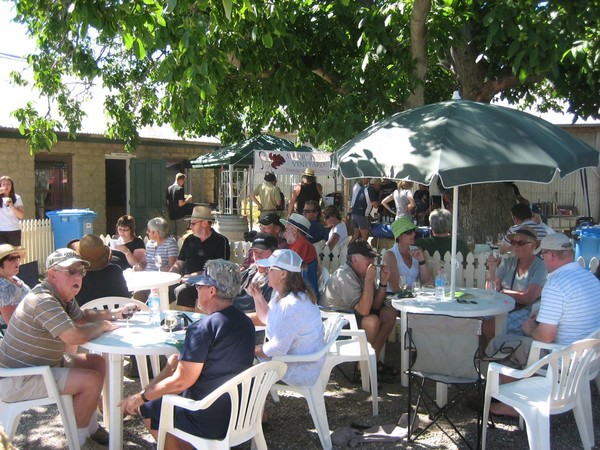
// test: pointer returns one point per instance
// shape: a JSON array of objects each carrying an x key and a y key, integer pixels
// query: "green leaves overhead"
[{"x": 325, "y": 68}]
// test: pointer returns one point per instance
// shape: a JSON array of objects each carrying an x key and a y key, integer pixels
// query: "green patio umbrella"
[
  {"x": 464, "y": 143},
  {"x": 242, "y": 153}
]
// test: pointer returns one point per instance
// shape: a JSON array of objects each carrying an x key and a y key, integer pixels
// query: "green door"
[{"x": 148, "y": 188}]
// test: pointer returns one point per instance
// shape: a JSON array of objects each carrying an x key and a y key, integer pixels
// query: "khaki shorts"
[{"x": 16, "y": 389}]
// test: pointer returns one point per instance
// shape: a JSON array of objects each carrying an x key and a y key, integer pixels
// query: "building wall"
[{"x": 88, "y": 169}]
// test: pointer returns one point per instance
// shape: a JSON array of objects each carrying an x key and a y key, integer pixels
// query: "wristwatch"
[{"x": 143, "y": 395}]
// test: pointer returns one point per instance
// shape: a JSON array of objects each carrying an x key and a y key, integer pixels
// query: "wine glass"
[
  {"x": 127, "y": 314},
  {"x": 489, "y": 240},
  {"x": 158, "y": 260},
  {"x": 402, "y": 283},
  {"x": 416, "y": 289},
  {"x": 491, "y": 287},
  {"x": 500, "y": 238},
  {"x": 471, "y": 243},
  {"x": 170, "y": 323}
]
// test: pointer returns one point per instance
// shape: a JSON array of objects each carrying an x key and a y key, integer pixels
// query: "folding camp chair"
[{"x": 444, "y": 349}]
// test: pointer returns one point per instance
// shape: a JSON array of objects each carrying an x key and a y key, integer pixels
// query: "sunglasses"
[
  {"x": 410, "y": 232},
  {"x": 74, "y": 271},
  {"x": 309, "y": 210},
  {"x": 13, "y": 258},
  {"x": 519, "y": 243}
]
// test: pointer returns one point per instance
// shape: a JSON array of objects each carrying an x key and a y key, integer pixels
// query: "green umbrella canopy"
[
  {"x": 465, "y": 143},
  {"x": 242, "y": 154}
]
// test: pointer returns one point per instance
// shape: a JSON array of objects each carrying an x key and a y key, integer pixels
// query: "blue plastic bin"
[
  {"x": 588, "y": 244},
  {"x": 69, "y": 224}
]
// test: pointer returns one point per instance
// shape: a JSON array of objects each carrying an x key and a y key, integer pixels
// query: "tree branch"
[{"x": 492, "y": 87}]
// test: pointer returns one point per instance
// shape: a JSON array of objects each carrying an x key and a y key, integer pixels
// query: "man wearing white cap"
[
  {"x": 296, "y": 232},
  {"x": 569, "y": 308},
  {"x": 47, "y": 323}
]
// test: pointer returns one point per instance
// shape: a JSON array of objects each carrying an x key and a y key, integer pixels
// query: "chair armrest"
[
  {"x": 537, "y": 347},
  {"x": 26, "y": 371},
  {"x": 311, "y": 357}
]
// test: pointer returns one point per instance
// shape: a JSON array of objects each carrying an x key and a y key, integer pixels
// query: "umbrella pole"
[{"x": 454, "y": 240}]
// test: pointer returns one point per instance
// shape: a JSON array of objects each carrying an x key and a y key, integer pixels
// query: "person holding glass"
[
  {"x": 293, "y": 319},
  {"x": 11, "y": 211},
  {"x": 12, "y": 289},
  {"x": 521, "y": 276},
  {"x": 128, "y": 243},
  {"x": 405, "y": 260},
  {"x": 161, "y": 249}
]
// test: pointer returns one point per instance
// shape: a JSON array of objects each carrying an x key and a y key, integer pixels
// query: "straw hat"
[
  {"x": 201, "y": 213},
  {"x": 309, "y": 173},
  {"x": 92, "y": 249},
  {"x": 7, "y": 249}
]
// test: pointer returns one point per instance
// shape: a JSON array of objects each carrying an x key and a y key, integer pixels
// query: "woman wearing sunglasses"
[
  {"x": 522, "y": 276},
  {"x": 12, "y": 289},
  {"x": 292, "y": 316}
]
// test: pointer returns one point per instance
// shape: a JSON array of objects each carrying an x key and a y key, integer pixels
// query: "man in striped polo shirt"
[
  {"x": 45, "y": 327},
  {"x": 569, "y": 307}
]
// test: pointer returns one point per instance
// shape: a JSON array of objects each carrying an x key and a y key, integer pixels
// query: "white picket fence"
[{"x": 37, "y": 238}]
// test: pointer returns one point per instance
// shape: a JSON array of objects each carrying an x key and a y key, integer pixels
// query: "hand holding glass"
[{"x": 158, "y": 260}]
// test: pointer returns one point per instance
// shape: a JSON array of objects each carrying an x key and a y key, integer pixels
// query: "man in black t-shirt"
[
  {"x": 202, "y": 245},
  {"x": 179, "y": 206}
]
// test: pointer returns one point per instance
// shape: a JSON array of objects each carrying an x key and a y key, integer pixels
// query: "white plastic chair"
[
  {"x": 561, "y": 389},
  {"x": 358, "y": 349},
  {"x": 315, "y": 394},
  {"x": 10, "y": 413},
  {"x": 247, "y": 392},
  {"x": 117, "y": 302}
]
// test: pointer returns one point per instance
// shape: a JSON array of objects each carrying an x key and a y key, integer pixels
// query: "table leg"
[
  {"x": 105, "y": 387},
  {"x": 441, "y": 394},
  {"x": 404, "y": 352},
  {"x": 500, "y": 324},
  {"x": 163, "y": 293},
  {"x": 115, "y": 395}
]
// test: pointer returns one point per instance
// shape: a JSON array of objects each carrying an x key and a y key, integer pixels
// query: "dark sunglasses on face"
[
  {"x": 519, "y": 243},
  {"x": 13, "y": 258},
  {"x": 309, "y": 210},
  {"x": 74, "y": 271}
]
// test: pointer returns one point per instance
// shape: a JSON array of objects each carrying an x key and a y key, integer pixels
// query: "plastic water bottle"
[
  {"x": 440, "y": 281},
  {"x": 153, "y": 307}
]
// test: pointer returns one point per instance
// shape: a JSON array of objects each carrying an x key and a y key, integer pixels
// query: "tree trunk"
[{"x": 418, "y": 51}]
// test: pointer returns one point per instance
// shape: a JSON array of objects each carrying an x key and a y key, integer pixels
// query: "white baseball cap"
[{"x": 283, "y": 259}]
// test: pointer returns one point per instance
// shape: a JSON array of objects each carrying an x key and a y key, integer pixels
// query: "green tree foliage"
[{"x": 327, "y": 68}]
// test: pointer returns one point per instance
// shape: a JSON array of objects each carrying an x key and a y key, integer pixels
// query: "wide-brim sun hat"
[
  {"x": 527, "y": 232},
  {"x": 298, "y": 221},
  {"x": 7, "y": 249},
  {"x": 308, "y": 173},
  {"x": 201, "y": 213},
  {"x": 285, "y": 259},
  {"x": 93, "y": 250},
  {"x": 402, "y": 225}
]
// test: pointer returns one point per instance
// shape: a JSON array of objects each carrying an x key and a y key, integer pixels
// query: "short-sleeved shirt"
[
  {"x": 294, "y": 327},
  {"x": 317, "y": 231},
  {"x": 11, "y": 293},
  {"x": 195, "y": 252},
  {"x": 360, "y": 204},
  {"x": 32, "y": 337},
  {"x": 442, "y": 245},
  {"x": 133, "y": 245},
  {"x": 344, "y": 288},
  {"x": 341, "y": 230},
  {"x": 269, "y": 195},
  {"x": 224, "y": 342},
  {"x": 165, "y": 250},
  {"x": 570, "y": 300},
  {"x": 8, "y": 220},
  {"x": 174, "y": 194},
  {"x": 402, "y": 200},
  {"x": 507, "y": 272}
]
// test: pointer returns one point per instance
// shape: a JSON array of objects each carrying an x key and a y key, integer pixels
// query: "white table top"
[
  {"x": 488, "y": 304},
  {"x": 140, "y": 280},
  {"x": 140, "y": 338}
]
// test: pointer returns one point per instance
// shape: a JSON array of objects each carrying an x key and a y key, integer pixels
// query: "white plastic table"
[
  {"x": 140, "y": 338},
  {"x": 488, "y": 304},
  {"x": 147, "y": 279}
]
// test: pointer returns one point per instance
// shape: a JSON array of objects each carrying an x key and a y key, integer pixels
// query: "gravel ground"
[{"x": 290, "y": 425}]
